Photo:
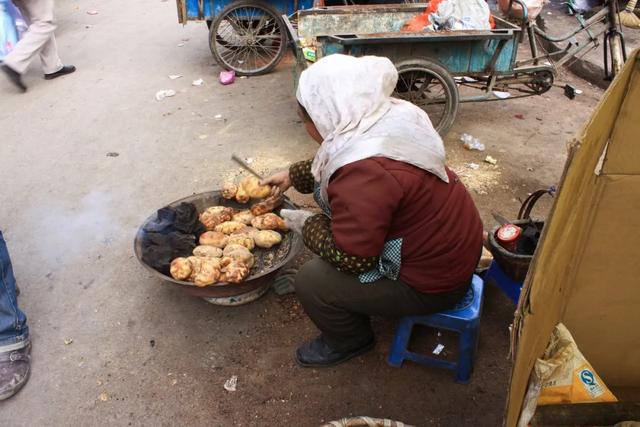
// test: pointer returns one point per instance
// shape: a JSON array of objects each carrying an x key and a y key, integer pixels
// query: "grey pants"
[{"x": 340, "y": 305}]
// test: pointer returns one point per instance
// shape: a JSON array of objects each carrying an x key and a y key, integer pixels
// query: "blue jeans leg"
[{"x": 13, "y": 322}]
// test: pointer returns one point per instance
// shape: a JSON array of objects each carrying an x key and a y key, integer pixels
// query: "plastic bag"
[
  {"x": 452, "y": 15},
  {"x": 227, "y": 77},
  {"x": 566, "y": 375},
  {"x": 8, "y": 28},
  {"x": 562, "y": 376},
  {"x": 12, "y": 27}
]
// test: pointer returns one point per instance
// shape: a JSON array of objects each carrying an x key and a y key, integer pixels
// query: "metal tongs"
[{"x": 246, "y": 166}]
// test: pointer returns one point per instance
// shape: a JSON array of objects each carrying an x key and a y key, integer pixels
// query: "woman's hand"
[{"x": 281, "y": 181}]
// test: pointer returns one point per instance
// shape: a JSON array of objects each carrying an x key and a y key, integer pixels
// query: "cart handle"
[
  {"x": 525, "y": 14},
  {"x": 525, "y": 9}
]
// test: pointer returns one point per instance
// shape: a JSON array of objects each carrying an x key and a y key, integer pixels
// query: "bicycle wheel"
[
  {"x": 248, "y": 37},
  {"x": 429, "y": 86}
]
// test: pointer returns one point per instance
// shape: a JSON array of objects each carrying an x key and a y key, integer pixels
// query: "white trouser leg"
[
  {"x": 49, "y": 56},
  {"x": 38, "y": 39}
]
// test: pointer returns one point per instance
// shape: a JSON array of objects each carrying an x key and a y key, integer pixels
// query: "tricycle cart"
[
  {"x": 247, "y": 36},
  {"x": 438, "y": 70}
]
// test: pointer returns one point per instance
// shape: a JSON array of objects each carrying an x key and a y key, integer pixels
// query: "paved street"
[{"x": 144, "y": 353}]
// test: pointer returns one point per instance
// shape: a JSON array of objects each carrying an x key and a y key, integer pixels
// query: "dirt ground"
[{"x": 143, "y": 353}]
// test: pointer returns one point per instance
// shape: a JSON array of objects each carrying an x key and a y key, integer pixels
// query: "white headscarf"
[{"x": 349, "y": 100}]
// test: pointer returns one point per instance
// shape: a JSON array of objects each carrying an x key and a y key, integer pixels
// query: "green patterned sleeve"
[
  {"x": 301, "y": 177},
  {"x": 317, "y": 236}
]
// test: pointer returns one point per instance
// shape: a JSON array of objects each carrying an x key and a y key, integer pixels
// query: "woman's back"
[{"x": 438, "y": 222}]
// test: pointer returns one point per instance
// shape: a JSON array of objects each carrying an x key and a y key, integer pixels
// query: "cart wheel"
[
  {"x": 429, "y": 86},
  {"x": 248, "y": 37}
]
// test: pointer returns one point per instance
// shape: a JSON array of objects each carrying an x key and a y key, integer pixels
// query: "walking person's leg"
[
  {"x": 340, "y": 307},
  {"x": 39, "y": 14},
  {"x": 15, "y": 346},
  {"x": 38, "y": 40},
  {"x": 51, "y": 62}
]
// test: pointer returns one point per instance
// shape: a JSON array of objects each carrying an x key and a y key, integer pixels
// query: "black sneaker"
[
  {"x": 317, "y": 353},
  {"x": 14, "y": 77},
  {"x": 66, "y": 69},
  {"x": 15, "y": 366}
]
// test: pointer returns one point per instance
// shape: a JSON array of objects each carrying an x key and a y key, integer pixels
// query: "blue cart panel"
[
  {"x": 209, "y": 9},
  {"x": 472, "y": 53},
  {"x": 375, "y": 30}
]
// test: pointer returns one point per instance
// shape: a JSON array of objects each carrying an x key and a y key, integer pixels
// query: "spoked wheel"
[
  {"x": 248, "y": 37},
  {"x": 429, "y": 86}
]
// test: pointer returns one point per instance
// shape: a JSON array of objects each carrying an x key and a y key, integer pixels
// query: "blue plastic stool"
[
  {"x": 464, "y": 319},
  {"x": 510, "y": 287}
]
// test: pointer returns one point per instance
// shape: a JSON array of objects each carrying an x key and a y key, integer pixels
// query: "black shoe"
[
  {"x": 66, "y": 69},
  {"x": 317, "y": 353},
  {"x": 15, "y": 367},
  {"x": 14, "y": 77}
]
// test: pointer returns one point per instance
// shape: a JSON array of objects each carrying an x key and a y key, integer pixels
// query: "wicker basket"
[{"x": 514, "y": 265}]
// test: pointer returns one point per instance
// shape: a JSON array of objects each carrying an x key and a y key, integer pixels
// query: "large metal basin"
[{"x": 268, "y": 261}]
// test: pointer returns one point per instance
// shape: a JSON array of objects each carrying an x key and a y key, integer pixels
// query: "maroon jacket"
[{"x": 378, "y": 199}]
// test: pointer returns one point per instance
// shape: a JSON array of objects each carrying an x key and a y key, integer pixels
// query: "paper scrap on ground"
[
  {"x": 501, "y": 95},
  {"x": 490, "y": 160},
  {"x": 166, "y": 93},
  {"x": 231, "y": 383},
  {"x": 218, "y": 117},
  {"x": 92, "y": 12},
  {"x": 175, "y": 76},
  {"x": 438, "y": 349},
  {"x": 473, "y": 166},
  {"x": 197, "y": 82}
]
